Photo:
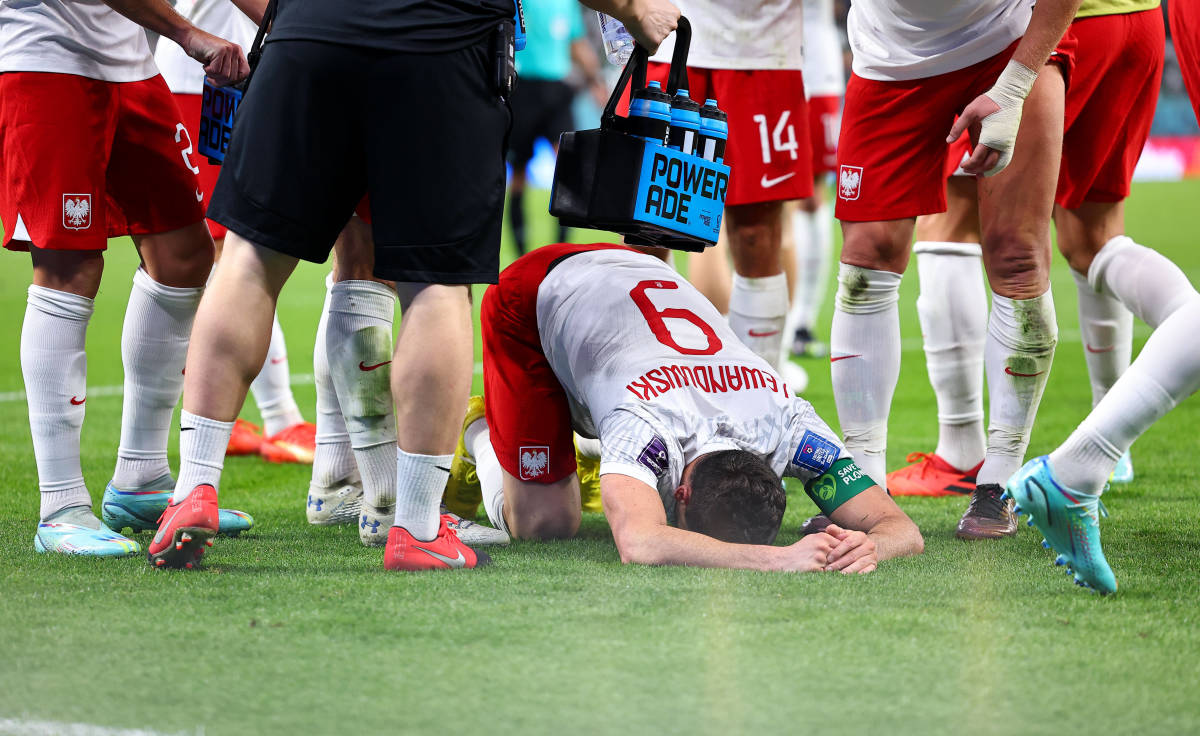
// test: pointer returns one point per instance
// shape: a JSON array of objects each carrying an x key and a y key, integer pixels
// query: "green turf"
[{"x": 294, "y": 629}]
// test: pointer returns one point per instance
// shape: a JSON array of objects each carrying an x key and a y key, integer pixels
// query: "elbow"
[
  {"x": 916, "y": 542},
  {"x": 634, "y": 549}
]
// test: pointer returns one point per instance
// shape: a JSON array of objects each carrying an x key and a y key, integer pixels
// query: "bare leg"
[
  {"x": 431, "y": 380},
  {"x": 709, "y": 272},
  {"x": 233, "y": 328}
]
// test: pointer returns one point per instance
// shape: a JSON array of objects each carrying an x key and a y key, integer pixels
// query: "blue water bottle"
[
  {"x": 714, "y": 132},
  {"x": 650, "y": 113},
  {"x": 685, "y": 123}
]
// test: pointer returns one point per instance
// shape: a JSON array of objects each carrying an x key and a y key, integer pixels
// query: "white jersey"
[
  {"x": 741, "y": 34},
  {"x": 185, "y": 75},
  {"x": 652, "y": 368},
  {"x": 913, "y": 39},
  {"x": 823, "y": 72},
  {"x": 82, "y": 37}
]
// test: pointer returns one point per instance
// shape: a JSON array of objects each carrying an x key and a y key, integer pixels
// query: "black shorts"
[
  {"x": 541, "y": 108},
  {"x": 424, "y": 134}
]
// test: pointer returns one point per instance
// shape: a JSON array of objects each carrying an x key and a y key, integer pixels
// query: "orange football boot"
[
  {"x": 296, "y": 444},
  {"x": 185, "y": 529},
  {"x": 246, "y": 439},
  {"x": 930, "y": 475},
  {"x": 445, "y": 552}
]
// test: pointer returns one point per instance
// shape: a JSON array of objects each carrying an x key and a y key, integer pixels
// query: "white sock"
[
  {"x": 757, "y": 310},
  {"x": 953, "y": 310},
  {"x": 1166, "y": 372},
  {"x": 154, "y": 342},
  {"x": 272, "y": 388},
  {"x": 202, "y": 444},
  {"x": 865, "y": 362},
  {"x": 54, "y": 366},
  {"x": 1144, "y": 280},
  {"x": 333, "y": 461},
  {"x": 1107, "y": 330},
  {"x": 358, "y": 340},
  {"x": 1021, "y": 337},
  {"x": 814, "y": 255},
  {"x": 421, "y": 481},
  {"x": 487, "y": 467}
]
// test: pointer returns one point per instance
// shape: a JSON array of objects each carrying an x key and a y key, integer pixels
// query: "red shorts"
[
  {"x": 82, "y": 160},
  {"x": 189, "y": 105},
  {"x": 892, "y": 152},
  {"x": 1185, "y": 33},
  {"x": 528, "y": 416},
  {"x": 824, "y": 119},
  {"x": 1110, "y": 104},
  {"x": 957, "y": 154},
  {"x": 768, "y": 122}
]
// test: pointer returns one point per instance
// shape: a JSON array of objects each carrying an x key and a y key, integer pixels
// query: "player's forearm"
[
  {"x": 154, "y": 15},
  {"x": 253, "y": 8},
  {"x": 666, "y": 545},
  {"x": 1046, "y": 28},
  {"x": 896, "y": 537}
]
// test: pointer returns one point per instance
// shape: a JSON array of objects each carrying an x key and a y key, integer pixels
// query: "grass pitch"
[{"x": 296, "y": 629}]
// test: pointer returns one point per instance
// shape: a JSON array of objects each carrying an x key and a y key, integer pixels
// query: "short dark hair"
[{"x": 735, "y": 497}]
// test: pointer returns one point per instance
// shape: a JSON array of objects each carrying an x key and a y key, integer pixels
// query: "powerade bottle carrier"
[{"x": 642, "y": 175}]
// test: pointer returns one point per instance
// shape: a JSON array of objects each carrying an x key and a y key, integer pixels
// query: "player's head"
[{"x": 734, "y": 496}]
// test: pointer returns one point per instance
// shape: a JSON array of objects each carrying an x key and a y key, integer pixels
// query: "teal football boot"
[
  {"x": 76, "y": 531},
  {"x": 1069, "y": 520},
  {"x": 1123, "y": 473},
  {"x": 140, "y": 508}
]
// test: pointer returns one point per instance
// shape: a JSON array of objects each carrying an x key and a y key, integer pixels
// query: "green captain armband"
[{"x": 842, "y": 482}]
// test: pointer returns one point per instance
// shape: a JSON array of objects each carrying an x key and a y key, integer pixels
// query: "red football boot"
[
  {"x": 445, "y": 552},
  {"x": 185, "y": 529},
  {"x": 930, "y": 475},
  {"x": 296, "y": 444},
  {"x": 245, "y": 439}
]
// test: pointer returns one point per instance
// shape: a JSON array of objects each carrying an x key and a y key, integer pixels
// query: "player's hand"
[
  {"x": 810, "y": 554},
  {"x": 993, "y": 119},
  {"x": 223, "y": 61},
  {"x": 854, "y": 552},
  {"x": 652, "y": 21}
]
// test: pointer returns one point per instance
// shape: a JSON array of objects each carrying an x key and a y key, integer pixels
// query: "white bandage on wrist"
[{"x": 998, "y": 131}]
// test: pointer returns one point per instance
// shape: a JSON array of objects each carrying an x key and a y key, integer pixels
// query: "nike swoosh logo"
[
  {"x": 76, "y": 401},
  {"x": 363, "y": 367},
  {"x": 186, "y": 429},
  {"x": 1108, "y": 349},
  {"x": 1011, "y": 372},
  {"x": 460, "y": 561},
  {"x": 768, "y": 183},
  {"x": 836, "y": 358},
  {"x": 199, "y": 196},
  {"x": 762, "y": 333},
  {"x": 439, "y": 467},
  {"x": 277, "y": 361}
]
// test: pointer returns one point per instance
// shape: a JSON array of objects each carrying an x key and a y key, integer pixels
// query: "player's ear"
[{"x": 683, "y": 494}]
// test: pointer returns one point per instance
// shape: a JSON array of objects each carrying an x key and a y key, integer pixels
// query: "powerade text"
[
  {"x": 682, "y": 192},
  {"x": 218, "y": 108}
]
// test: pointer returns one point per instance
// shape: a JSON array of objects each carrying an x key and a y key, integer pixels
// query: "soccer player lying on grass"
[{"x": 696, "y": 429}]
